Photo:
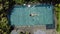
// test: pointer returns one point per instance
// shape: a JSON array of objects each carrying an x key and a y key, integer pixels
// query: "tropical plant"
[
  {"x": 57, "y": 10},
  {"x": 4, "y": 24},
  {"x": 19, "y": 1},
  {"x": 33, "y": 0},
  {"x": 1, "y": 6}
]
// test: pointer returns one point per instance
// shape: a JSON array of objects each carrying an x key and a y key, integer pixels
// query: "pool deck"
[{"x": 35, "y": 28}]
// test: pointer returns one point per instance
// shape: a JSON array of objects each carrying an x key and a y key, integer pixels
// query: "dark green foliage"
[
  {"x": 4, "y": 24},
  {"x": 19, "y": 1},
  {"x": 57, "y": 10}
]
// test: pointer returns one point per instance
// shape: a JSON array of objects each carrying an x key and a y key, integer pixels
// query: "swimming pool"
[{"x": 21, "y": 15}]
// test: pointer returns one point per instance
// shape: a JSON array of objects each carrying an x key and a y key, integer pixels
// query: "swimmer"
[{"x": 33, "y": 14}]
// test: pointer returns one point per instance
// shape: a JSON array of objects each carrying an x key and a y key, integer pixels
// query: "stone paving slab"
[{"x": 35, "y": 28}]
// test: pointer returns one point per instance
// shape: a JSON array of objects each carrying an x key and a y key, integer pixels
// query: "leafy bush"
[
  {"x": 57, "y": 9},
  {"x": 19, "y": 1},
  {"x": 4, "y": 24}
]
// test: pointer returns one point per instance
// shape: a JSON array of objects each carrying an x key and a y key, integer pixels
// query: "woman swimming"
[{"x": 33, "y": 14}]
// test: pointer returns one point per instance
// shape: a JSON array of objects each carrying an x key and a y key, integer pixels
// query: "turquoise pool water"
[{"x": 22, "y": 15}]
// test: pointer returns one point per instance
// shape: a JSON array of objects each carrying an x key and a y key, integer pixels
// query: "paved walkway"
[{"x": 35, "y": 28}]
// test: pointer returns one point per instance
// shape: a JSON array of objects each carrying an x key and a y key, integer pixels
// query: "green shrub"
[
  {"x": 19, "y": 1},
  {"x": 4, "y": 24},
  {"x": 57, "y": 10}
]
